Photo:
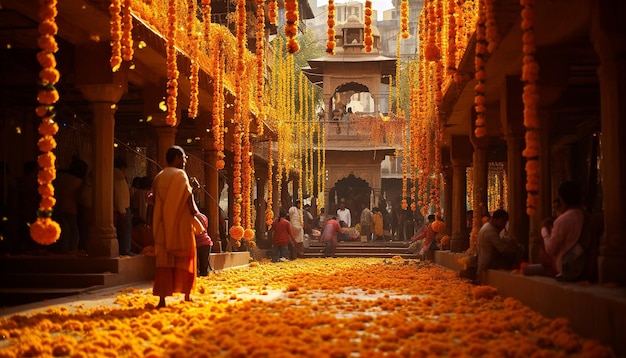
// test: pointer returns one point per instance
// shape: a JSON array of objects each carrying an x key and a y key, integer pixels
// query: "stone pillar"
[
  {"x": 166, "y": 137},
  {"x": 481, "y": 170},
  {"x": 512, "y": 117},
  {"x": 447, "y": 181},
  {"x": 461, "y": 156},
  {"x": 212, "y": 191},
  {"x": 103, "y": 88},
  {"x": 608, "y": 34}
]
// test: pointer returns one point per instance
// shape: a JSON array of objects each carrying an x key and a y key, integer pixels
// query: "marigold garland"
[
  {"x": 530, "y": 98},
  {"x": 237, "y": 230},
  {"x": 269, "y": 212},
  {"x": 404, "y": 19},
  {"x": 116, "y": 34},
  {"x": 172, "y": 66},
  {"x": 127, "y": 27},
  {"x": 260, "y": 64},
  {"x": 330, "y": 41},
  {"x": 194, "y": 68},
  {"x": 368, "y": 37},
  {"x": 44, "y": 230},
  {"x": 291, "y": 25},
  {"x": 272, "y": 9},
  {"x": 480, "y": 76}
]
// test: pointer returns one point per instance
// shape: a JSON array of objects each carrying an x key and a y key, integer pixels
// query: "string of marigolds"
[
  {"x": 291, "y": 25},
  {"x": 330, "y": 41},
  {"x": 530, "y": 98},
  {"x": 172, "y": 66},
  {"x": 218, "y": 127},
  {"x": 269, "y": 211},
  {"x": 115, "y": 8},
  {"x": 194, "y": 67},
  {"x": 44, "y": 230},
  {"x": 206, "y": 30},
  {"x": 367, "y": 19},
  {"x": 127, "y": 28},
  {"x": 404, "y": 19},
  {"x": 260, "y": 64},
  {"x": 272, "y": 12},
  {"x": 237, "y": 231},
  {"x": 480, "y": 75}
]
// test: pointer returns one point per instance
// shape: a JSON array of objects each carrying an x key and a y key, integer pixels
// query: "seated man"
[{"x": 493, "y": 251}]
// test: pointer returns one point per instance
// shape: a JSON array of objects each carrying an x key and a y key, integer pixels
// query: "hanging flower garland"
[
  {"x": 491, "y": 30},
  {"x": 404, "y": 19},
  {"x": 44, "y": 230},
  {"x": 116, "y": 34},
  {"x": 369, "y": 38},
  {"x": 192, "y": 111},
  {"x": 451, "y": 56},
  {"x": 330, "y": 41},
  {"x": 260, "y": 64},
  {"x": 530, "y": 98},
  {"x": 206, "y": 31},
  {"x": 480, "y": 75},
  {"x": 291, "y": 26},
  {"x": 272, "y": 9},
  {"x": 237, "y": 230},
  {"x": 432, "y": 52},
  {"x": 127, "y": 28},
  {"x": 172, "y": 67},
  {"x": 218, "y": 108}
]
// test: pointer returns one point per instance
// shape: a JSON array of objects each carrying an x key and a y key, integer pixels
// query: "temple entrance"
[{"x": 355, "y": 191}]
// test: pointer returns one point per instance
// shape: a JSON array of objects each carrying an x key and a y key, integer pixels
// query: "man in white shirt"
[
  {"x": 343, "y": 214},
  {"x": 295, "y": 218}
]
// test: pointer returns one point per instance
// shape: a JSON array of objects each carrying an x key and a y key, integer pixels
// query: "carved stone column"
[
  {"x": 608, "y": 35},
  {"x": 103, "y": 88}
]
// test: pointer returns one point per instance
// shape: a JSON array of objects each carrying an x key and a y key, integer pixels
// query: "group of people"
[{"x": 568, "y": 247}]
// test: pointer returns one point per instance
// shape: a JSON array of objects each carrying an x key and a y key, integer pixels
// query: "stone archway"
[{"x": 355, "y": 191}]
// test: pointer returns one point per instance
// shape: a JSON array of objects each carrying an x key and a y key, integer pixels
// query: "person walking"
[{"x": 173, "y": 228}]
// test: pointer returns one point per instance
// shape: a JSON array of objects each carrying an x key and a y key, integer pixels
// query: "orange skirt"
[{"x": 169, "y": 280}]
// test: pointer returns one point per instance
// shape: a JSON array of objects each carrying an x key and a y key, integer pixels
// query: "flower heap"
[
  {"x": 480, "y": 75},
  {"x": 330, "y": 42},
  {"x": 530, "y": 98},
  {"x": 194, "y": 69},
  {"x": 404, "y": 19},
  {"x": 369, "y": 38},
  {"x": 44, "y": 230},
  {"x": 291, "y": 26},
  {"x": 116, "y": 34},
  {"x": 172, "y": 67},
  {"x": 237, "y": 230}
]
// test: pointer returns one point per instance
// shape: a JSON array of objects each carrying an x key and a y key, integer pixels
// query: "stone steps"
[{"x": 382, "y": 249}]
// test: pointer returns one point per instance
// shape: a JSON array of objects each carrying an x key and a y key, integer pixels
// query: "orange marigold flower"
[{"x": 45, "y": 231}]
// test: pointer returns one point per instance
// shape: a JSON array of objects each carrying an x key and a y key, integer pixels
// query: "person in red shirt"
[{"x": 282, "y": 237}]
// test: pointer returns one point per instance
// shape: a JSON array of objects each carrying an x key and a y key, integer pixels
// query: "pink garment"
[
  {"x": 331, "y": 230},
  {"x": 565, "y": 232}
]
